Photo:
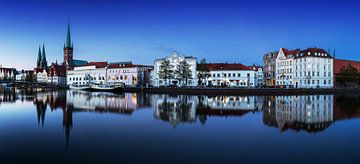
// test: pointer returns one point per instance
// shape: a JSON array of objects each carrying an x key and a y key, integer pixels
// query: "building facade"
[
  {"x": 269, "y": 69},
  {"x": 129, "y": 74},
  {"x": 93, "y": 72},
  {"x": 313, "y": 68},
  {"x": 231, "y": 75},
  {"x": 104, "y": 72},
  {"x": 284, "y": 67},
  {"x": 175, "y": 58}
]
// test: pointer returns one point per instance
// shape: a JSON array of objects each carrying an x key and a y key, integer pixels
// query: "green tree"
[
  {"x": 166, "y": 71},
  {"x": 183, "y": 72},
  {"x": 203, "y": 71}
]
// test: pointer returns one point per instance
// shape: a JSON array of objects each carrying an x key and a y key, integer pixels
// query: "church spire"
[
  {"x": 68, "y": 43},
  {"x": 39, "y": 58},
  {"x": 43, "y": 58}
]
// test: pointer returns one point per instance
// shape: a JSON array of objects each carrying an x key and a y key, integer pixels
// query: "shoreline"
[{"x": 241, "y": 91}]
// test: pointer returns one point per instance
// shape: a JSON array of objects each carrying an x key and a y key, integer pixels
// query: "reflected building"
[
  {"x": 175, "y": 109},
  {"x": 311, "y": 113}
]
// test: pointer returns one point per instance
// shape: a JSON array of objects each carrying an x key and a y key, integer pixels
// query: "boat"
[
  {"x": 79, "y": 87},
  {"x": 107, "y": 87}
]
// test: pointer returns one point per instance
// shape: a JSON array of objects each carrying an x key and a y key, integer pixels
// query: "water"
[{"x": 84, "y": 127}]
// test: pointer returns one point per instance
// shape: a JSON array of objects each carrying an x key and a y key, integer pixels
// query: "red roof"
[
  {"x": 97, "y": 64},
  {"x": 225, "y": 66},
  {"x": 291, "y": 52},
  {"x": 57, "y": 70},
  {"x": 339, "y": 63}
]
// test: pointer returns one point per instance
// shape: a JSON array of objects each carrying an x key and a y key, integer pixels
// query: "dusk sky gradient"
[{"x": 143, "y": 30}]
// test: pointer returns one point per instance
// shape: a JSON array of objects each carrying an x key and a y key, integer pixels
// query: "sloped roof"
[
  {"x": 315, "y": 52},
  {"x": 339, "y": 63},
  {"x": 225, "y": 66}
]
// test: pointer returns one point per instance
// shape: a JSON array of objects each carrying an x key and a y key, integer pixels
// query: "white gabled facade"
[
  {"x": 175, "y": 58},
  {"x": 310, "y": 68},
  {"x": 284, "y": 67}
]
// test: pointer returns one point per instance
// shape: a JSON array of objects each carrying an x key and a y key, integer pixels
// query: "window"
[{"x": 239, "y": 75}]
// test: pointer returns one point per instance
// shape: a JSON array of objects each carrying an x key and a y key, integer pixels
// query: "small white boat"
[
  {"x": 106, "y": 87},
  {"x": 79, "y": 87}
]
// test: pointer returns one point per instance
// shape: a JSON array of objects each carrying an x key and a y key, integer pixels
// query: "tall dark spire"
[
  {"x": 43, "y": 58},
  {"x": 39, "y": 58},
  {"x": 68, "y": 43}
]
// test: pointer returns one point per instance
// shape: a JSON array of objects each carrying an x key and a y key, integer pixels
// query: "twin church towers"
[{"x": 68, "y": 54}]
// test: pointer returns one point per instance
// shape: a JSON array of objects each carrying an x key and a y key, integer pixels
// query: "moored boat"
[
  {"x": 107, "y": 87},
  {"x": 79, "y": 87}
]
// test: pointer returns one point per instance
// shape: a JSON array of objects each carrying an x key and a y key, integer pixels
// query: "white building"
[
  {"x": 313, "y": 68},
  {"x": 174, "y": 59},
  {"x": 231, "y": 75},
  {"x": 129, "y": 74},
  {"x": 103, "y": 72},
  {"x": 93, "y": 72},
  {"x": 284, "y": 67},
  {"x": 259, "y": 77},
  {"x": 310, "y": 68}
]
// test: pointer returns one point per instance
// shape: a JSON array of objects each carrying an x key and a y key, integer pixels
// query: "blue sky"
[{"x": 143, "y": 30}]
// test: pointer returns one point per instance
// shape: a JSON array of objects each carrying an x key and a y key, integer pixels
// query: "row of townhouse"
[
  {"x": 219, "y": 74},
  {"x": 310, "y": 68}
]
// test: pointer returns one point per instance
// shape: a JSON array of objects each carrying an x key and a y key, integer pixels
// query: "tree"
[
  {"x": 166, "y": 72},
  {"x": 183, "y": 72},
  {"x": 348, "y": 76},
  {"x": 203, "y": 71}
]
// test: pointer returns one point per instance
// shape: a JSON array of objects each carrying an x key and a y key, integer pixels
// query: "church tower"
[{"x": 68, "y": 50}]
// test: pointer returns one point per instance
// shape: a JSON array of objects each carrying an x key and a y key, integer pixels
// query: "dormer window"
[{"x": 308, "y": 53}]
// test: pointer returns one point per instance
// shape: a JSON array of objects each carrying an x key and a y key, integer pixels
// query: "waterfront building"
[
  {"x": 284, "y": 67},
  {"x": 313, "y": 68},
  {"x": 129, "y": 74},
  {"x": 175, "y": 58},
  {"x": 55, "y": 74},
  {"x": 93, "y": 72},
  {"x": 269, "y": 69},
  {"x": 259, "y": 76},
  {"x": 104, "y": 72},
  {"x": 231, "y": 75},
  {"x": 7, "y": 73}
]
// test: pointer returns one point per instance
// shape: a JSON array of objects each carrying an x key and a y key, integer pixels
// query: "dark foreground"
[{"x": 68, "y": 126}]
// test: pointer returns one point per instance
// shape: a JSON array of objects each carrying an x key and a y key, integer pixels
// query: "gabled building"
[
  {"x": 313, "y": 68},
  {"x": 284, "y": 67}
]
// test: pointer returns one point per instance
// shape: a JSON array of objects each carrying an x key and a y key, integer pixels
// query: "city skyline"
[{"x": 231, "y": 31}]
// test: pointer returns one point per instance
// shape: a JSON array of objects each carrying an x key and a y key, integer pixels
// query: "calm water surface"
[{"x": 85, "y": 127}]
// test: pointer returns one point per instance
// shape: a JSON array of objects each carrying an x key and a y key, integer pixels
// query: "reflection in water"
[{"x": 310, "y": 113}]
